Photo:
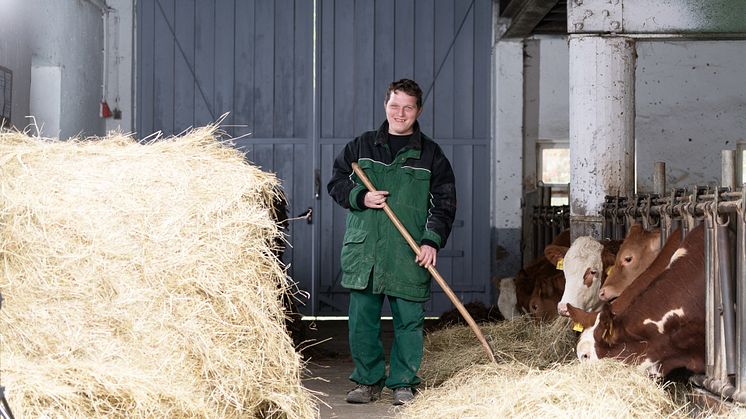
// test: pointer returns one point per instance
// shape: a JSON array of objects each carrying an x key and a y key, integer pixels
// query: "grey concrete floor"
[{"x": 329, "y": 366}]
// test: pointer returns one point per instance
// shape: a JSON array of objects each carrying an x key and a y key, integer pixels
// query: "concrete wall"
[
  {"x": 690, "y": 104},
  {"x": 71, "y": 45}
]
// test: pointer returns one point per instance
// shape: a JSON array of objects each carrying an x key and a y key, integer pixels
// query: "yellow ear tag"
[
  {"x": 610, "y": 270},
  {"x": 560, "y": 264},
  {"x": 577, "y": 327}
]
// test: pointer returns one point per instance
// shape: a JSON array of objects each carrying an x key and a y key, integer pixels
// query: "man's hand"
[
  {"x": 375, "y": 199},
  {"x": 427, "y": 256}
]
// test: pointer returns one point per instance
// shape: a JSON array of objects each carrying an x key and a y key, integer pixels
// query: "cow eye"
[
  {"x": 628, "y": 259},
  {"x": 594, "y": 272}
]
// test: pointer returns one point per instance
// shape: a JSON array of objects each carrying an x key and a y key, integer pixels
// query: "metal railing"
[
  {"x": 548, "y": 221},
  {"x": 723, "y": 210}
]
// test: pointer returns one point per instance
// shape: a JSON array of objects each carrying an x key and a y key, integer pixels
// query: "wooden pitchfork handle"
[{"x": 434, "y": 272}]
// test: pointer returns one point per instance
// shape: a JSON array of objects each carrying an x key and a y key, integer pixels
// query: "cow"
[
  {"x": 547, "y": 293},
  {"x": 585, "y": 265},
  {"x": 515, "y": 292},
  {"x": 638, "y": 254},
  {"x": 661, "y": 327}
]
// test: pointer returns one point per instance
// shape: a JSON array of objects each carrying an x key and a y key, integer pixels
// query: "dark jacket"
[{"x": 422, "y": 194}]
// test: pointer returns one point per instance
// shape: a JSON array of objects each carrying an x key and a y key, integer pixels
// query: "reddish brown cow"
[
  {"x": 547, "y": 293},
  {"x": 638, "y": 255},
  {"x": 661, "y": 327}
]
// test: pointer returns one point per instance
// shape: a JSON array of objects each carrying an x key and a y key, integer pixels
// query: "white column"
[
  {"x": 602, "y": 118},
  {"x": 506, "y": 157}
]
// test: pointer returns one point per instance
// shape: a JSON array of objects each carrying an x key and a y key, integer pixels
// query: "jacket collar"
[{"x": 415, "y": 142}]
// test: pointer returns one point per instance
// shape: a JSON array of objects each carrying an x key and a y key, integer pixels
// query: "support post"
[
  {"x": 506, "y": 158},
  {"x": 602, "y": 115},
  {"x": 741, "y": 300},
  {"x": 728, "y": 169},
  {"x": 659, "y": 178}
]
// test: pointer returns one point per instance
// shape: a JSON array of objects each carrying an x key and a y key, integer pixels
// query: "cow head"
[
  {"x": 583, "y": 266},
  {"x": 586, "y": 322},
  {"x": 602, "y": 336},
  {"x": 637, "y": 253},
  {"x": 545, "y": 296}
]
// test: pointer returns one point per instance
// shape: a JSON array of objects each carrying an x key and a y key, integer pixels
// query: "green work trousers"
[{"x": 365, "y": 339}]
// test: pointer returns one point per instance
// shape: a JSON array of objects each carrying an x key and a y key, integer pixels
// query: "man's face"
[{"x": 401, "y": 112}]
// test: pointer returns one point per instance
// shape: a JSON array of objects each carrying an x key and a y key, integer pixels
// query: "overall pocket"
[{"x": 353, "y": 251}]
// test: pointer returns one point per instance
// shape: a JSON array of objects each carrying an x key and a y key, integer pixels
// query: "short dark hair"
[{"x": 407, "y": 86}]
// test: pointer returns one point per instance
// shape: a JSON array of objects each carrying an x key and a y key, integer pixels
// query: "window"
[{"x": 553, "y": 160}]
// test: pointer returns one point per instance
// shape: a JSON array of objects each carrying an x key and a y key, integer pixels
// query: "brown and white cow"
[
  {"x": 662, "y": 327},
  {"x": 638, "y": 254},
  {"x": 584, "y": 264},
  {"x": 516, "y": 292}
]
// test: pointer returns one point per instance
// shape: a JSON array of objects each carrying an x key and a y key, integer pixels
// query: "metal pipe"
[
  {"x": 741, "y": 298},
  {"x": 728, "y": 169},
  {"x": 659, "y": 178},
  {"x": 709, "y": 302},
  {"x": 726, "y": 295}
]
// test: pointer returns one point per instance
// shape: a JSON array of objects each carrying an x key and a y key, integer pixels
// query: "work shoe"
[
  {"x": 364, "y": 394},
  {"x": 402, "y": 395}
]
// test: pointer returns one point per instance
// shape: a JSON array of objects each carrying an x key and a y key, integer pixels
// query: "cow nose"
[
  {"x": 602, "y": 294},
  {"x": 562, "y": 309},
  {"x": 584, "y": 357}
]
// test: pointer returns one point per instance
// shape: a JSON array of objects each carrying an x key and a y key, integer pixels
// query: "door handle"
[{"x": 317, "y": 184}]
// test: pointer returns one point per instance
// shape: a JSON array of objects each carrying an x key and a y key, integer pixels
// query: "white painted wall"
[
  {"x": 45, "y": 102},
  {"x": 73, "y": 42},
  {"x": 684, "y": 90},
  {"x": 553, "y": 89},
  {"x": 691, "y": 104}
]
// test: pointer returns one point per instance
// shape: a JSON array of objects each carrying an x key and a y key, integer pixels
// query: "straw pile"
[
  {"x": 607, "y": 389},
  {"x": 453, "y": 349},
  {"x": 139, "y": 281}
]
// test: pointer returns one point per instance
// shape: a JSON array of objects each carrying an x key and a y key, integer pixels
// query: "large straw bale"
[
  {"x": 607, "y": 389},
  {"x": 539, "y": 345},
  {"x": 139, "y": 281}
]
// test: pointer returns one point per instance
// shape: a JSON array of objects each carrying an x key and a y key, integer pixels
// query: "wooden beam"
[{"x": 525, "y": 16}]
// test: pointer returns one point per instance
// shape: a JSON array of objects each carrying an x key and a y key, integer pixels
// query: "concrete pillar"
[
  {"x": 728, "y": 169},
  {"x": 506, "y": 164},
  {"x": 602, "y": 116}
]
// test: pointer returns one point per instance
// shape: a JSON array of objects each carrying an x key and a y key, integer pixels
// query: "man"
[{"x": 414, "y": 177}]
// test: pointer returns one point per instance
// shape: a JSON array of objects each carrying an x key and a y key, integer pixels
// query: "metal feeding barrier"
[
  {"x": 548, "y": 221},
  {"x": 723, "y": 211}
]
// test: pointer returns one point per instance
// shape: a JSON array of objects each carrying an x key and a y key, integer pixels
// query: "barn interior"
[{"x": 587, "y": 115}]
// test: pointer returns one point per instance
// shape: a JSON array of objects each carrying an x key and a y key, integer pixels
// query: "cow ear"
[
  {"x": 554, "y": 253},
  {"x": 585, "y": 318},
  {"x": 607, "y": 258},
  {"x": 606, "y": 323}
]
